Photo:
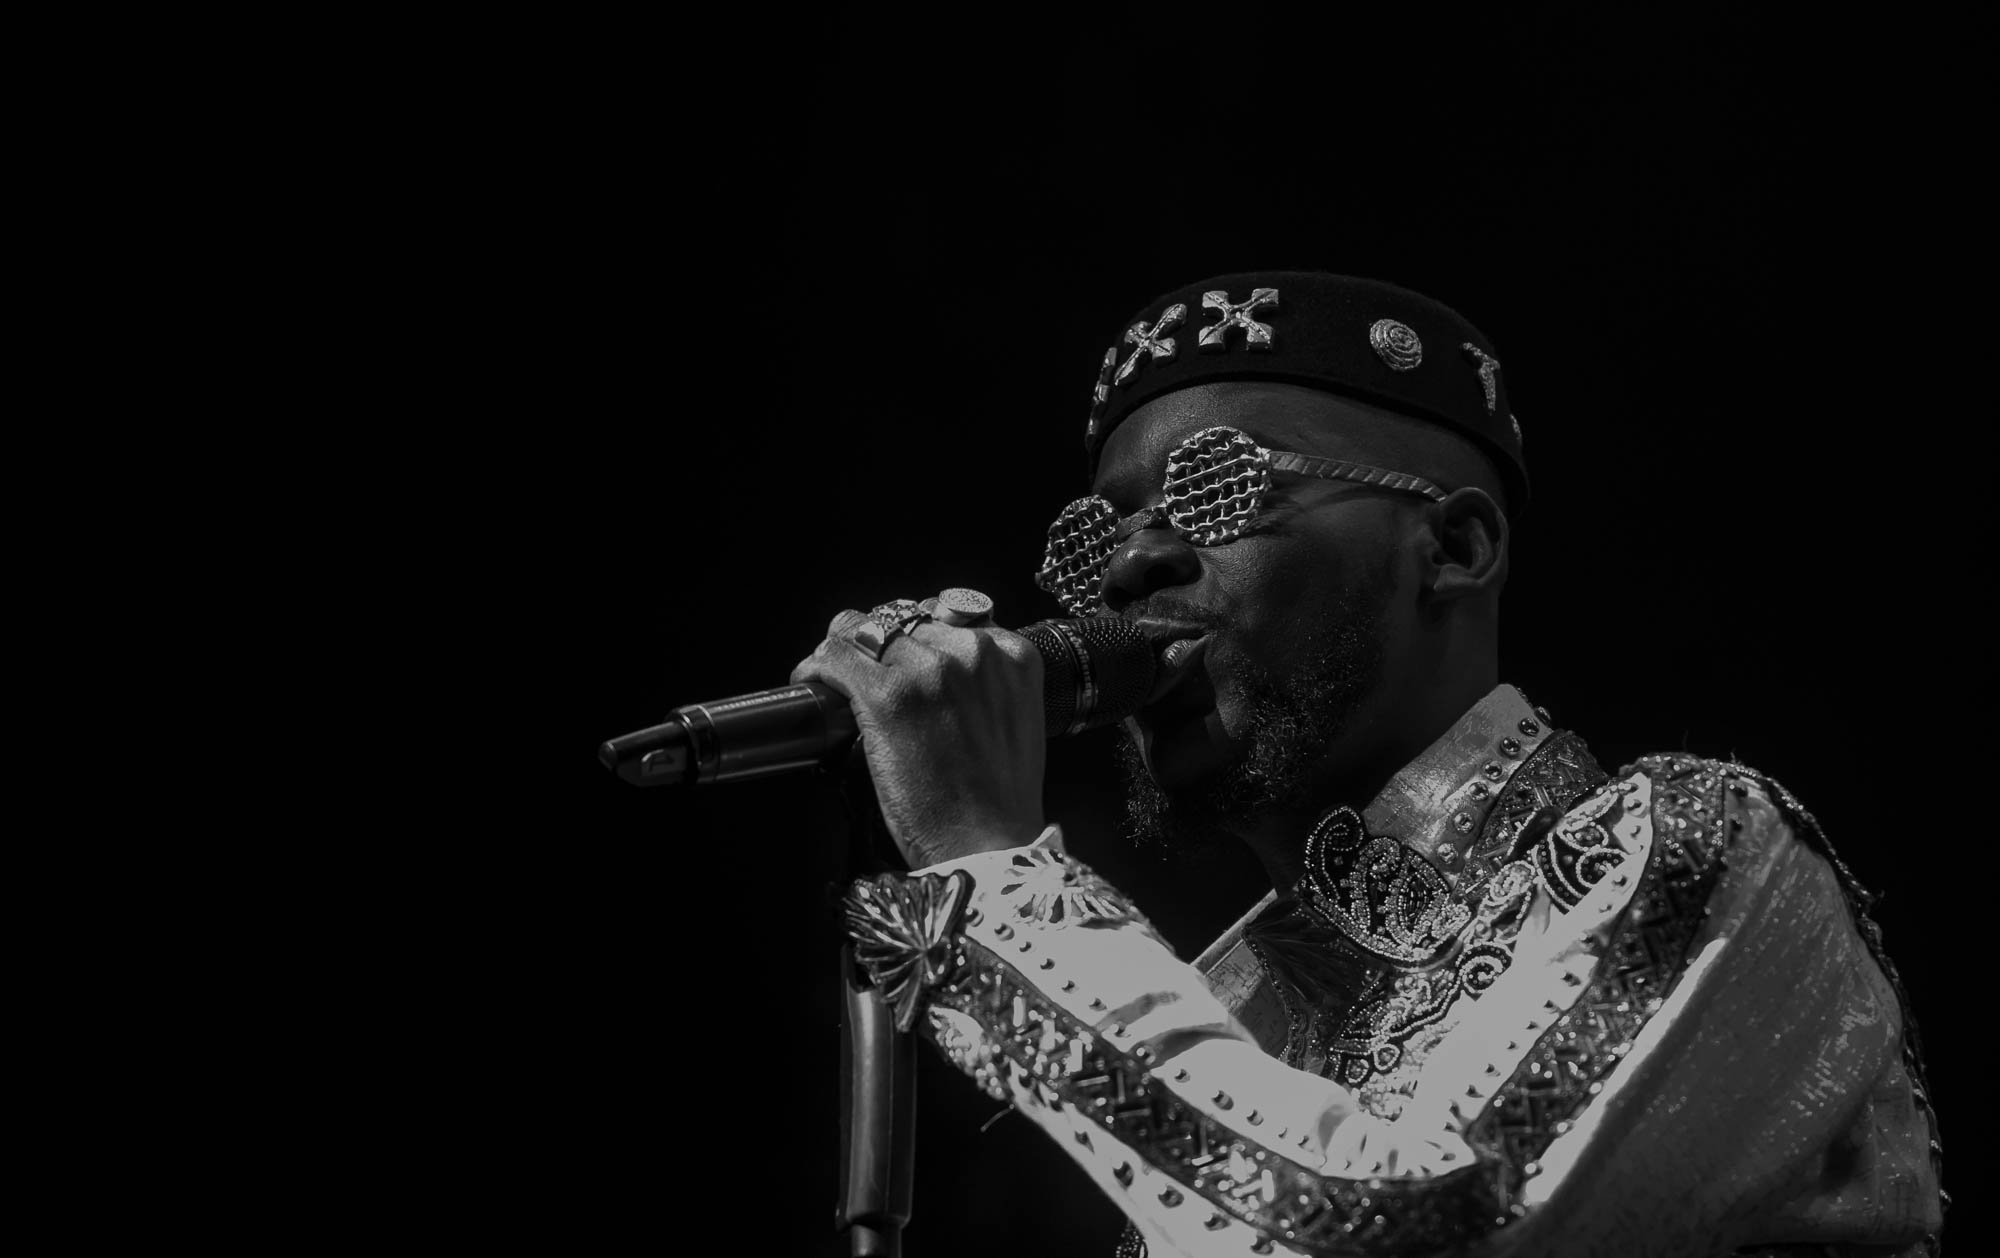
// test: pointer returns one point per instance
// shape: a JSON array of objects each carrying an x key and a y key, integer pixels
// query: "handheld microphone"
[{"x": 1094, "y": 672}]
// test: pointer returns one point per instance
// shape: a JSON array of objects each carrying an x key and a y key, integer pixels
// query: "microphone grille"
[{"x": 1095, "y": 671}]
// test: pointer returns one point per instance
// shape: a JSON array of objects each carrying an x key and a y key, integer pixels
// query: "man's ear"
[{"x": 1467, "y": 552}]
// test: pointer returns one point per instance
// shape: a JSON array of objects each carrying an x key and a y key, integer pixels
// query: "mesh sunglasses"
[{"x": 1216, "y": 484}]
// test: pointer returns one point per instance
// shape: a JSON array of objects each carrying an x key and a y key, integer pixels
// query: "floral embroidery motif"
[
  {"x": 1369, "y": 1022},
  {"x": 1578, "y": 851},
  {"x": 1057, "y": 889},
  {"x": 903, "y": 931},
  {"x": 1382, "y": 895},
  {"x": 1373, "y": 1038}
]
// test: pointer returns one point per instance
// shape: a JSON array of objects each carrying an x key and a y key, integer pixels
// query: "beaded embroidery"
[
  {"x": 1383, "y": 896},
  {"x": 1361, "y": 1016}
]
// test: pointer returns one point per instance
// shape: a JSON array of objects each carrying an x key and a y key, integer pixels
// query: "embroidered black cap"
[{"x": 1359, "y": 337}]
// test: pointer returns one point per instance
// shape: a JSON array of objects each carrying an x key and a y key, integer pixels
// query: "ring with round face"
[{"x": 959, "y": 606}]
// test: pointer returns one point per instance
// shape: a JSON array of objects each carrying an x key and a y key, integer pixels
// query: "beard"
[{"x": 1292, "y": 722}]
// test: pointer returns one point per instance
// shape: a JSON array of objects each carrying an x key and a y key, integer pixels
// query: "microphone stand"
[
  {"x": 878, "y": 1094},
  {"x": 878, "y": 1102}
]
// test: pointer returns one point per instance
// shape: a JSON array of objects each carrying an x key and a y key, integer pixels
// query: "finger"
[
  {"x": 869, "y": 635},
  {"x": 843, "y": 624},
  {"x": 939, "y": 636},
  {"x": 808, "y": 668},
  {"x": 836, "y": 670},
  {"x": 970, "y": 647},
  {"x": 838, "y": 651},
  {"x": 943, "y": 634},
  {"x": 839, "y": 660}
]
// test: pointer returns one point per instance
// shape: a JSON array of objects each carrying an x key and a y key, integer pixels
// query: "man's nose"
[{"x": 1154, "y": 558}]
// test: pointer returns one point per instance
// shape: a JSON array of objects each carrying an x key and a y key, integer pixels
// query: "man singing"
[{"x": 1500, "y": 1000}]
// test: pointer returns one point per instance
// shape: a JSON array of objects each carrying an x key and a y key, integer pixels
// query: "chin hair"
[{"x": 1292, "y": 724}]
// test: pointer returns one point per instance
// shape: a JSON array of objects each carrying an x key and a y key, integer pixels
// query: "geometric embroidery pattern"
[{"x": 1060, "y": 1060}]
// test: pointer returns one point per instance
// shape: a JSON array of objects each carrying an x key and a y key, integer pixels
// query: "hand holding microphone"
[
  {"x": 947, "y": 707},
  {"x": 950, "y": 717}
]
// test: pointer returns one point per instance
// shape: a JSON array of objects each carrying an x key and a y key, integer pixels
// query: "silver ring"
[
  {"x": 962, "y": 607},
  {"x": 870, "y": 637},
  {"x": 895, "y": 610},
  {"x": 896, "y": 617}
]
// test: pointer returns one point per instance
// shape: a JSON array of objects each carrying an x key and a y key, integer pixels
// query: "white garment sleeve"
[
  {"x": 1066, "y": 1003},
  {"x": 1686, "y": 1019}
]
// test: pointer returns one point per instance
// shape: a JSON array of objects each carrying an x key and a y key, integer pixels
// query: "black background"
[{"x": 817, "y": 306}]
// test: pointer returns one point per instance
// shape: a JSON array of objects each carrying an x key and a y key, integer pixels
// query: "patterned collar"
[
  {"x": 1462, "y": 800},
  {"x": 1358, "y": 968},
  {"x": 1439, "y": 803}
]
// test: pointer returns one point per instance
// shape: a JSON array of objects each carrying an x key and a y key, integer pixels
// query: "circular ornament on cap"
[{"x": 1396, "y": 343}]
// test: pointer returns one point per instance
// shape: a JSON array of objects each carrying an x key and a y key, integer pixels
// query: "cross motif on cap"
[
  {"x": 1489, "y": 371},
  {"x": 1102, "y": 393},
  {"x": 1151, "y": 342},
  {"x": 1215, "y": 337}
]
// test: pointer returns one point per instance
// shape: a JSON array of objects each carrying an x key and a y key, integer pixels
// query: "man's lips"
[
  {"x": 1180, "y": 663},
  {"x": 1159, "y": 632}
]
